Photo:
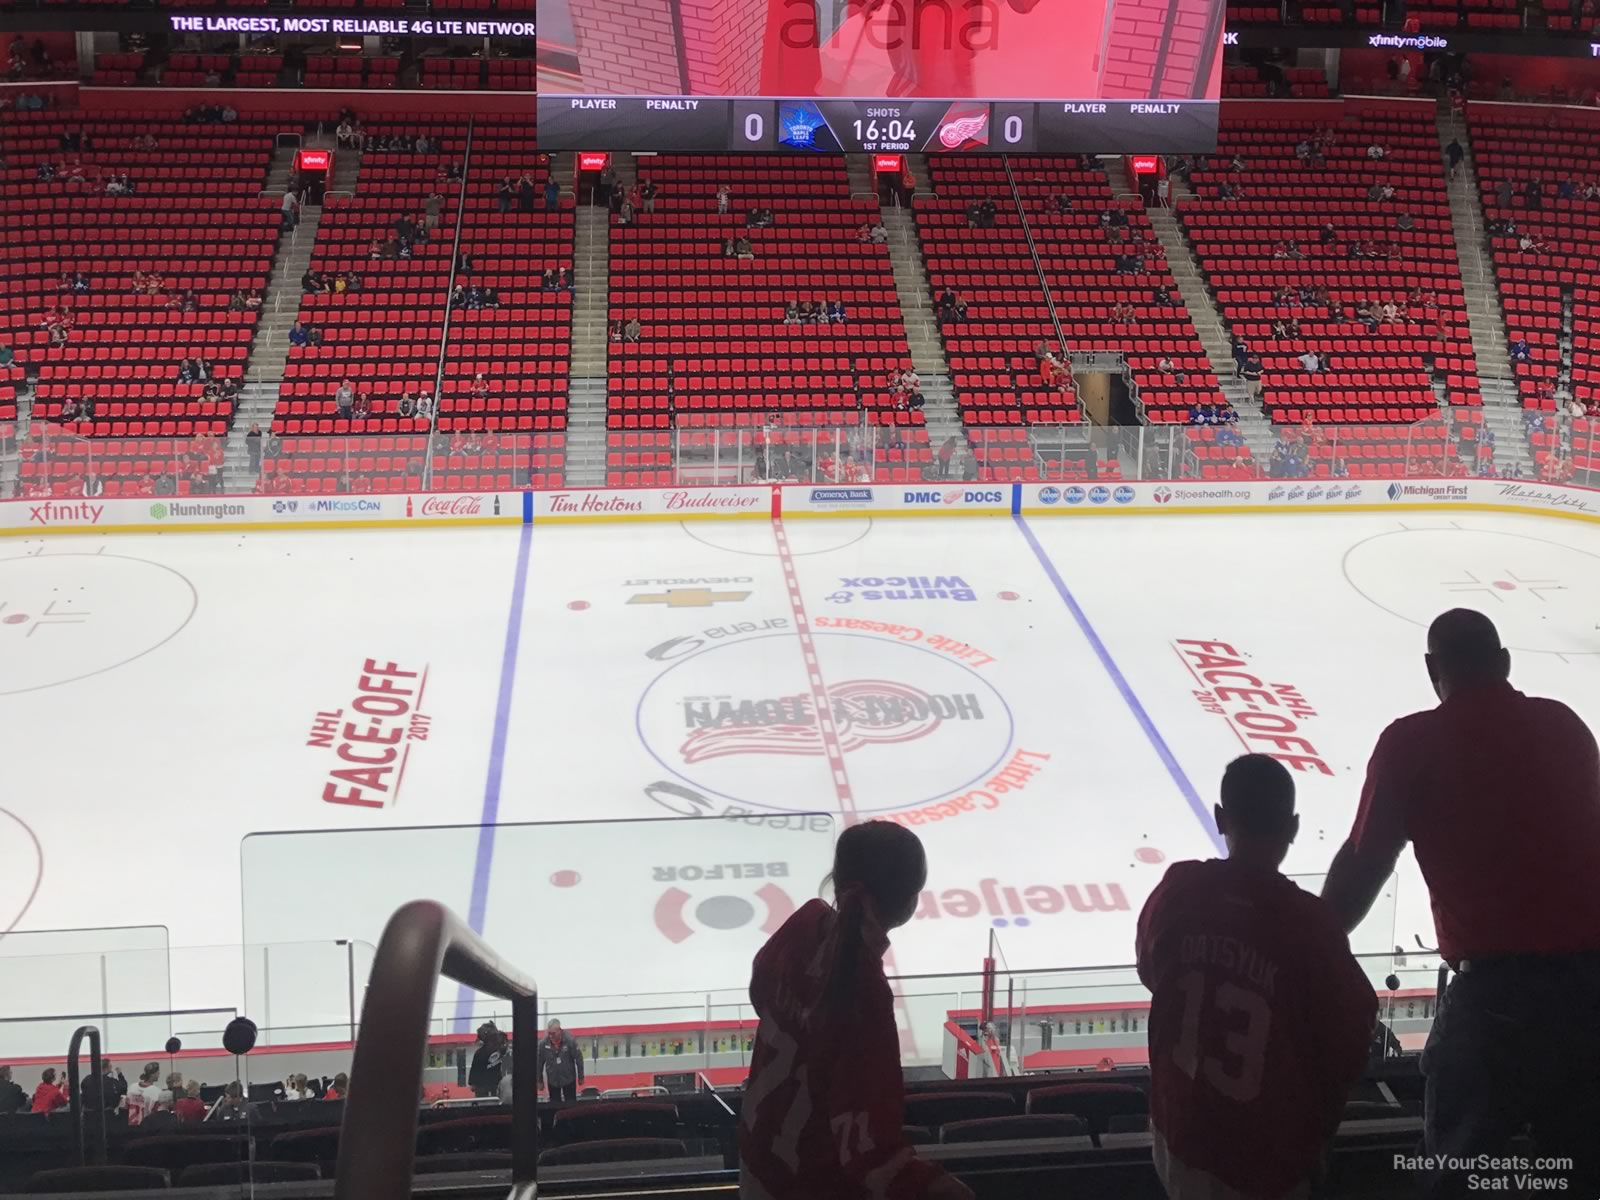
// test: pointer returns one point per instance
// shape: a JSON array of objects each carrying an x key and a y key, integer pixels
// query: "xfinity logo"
[{"x": 54, "y": 512}]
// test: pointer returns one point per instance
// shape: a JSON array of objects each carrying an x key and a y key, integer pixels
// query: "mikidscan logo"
[
  {"x": 1049, "y": 494},
  {"x": 343, "y": 506}
]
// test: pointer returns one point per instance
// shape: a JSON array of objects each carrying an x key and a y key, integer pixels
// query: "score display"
[{"x": 892, "y": 76}]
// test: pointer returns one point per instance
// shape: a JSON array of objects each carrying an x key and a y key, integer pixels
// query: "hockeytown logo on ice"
[
  {"x": 864, "y": 712},
  {"x": 903, "y": 587}
]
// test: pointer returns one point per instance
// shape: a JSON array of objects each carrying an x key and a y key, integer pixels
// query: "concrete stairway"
[
  {"x": 915, "y": 293},
  {"x": 586, "y": 396},
  {"x": 1485, "y": 316}
]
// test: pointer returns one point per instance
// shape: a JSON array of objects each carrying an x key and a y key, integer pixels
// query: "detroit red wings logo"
[
  {"x": 865, "y": 712},
  {"x": 960, "y": 130}
]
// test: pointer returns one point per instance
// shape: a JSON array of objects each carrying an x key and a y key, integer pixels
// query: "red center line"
[{"x": 835, "y": 752}]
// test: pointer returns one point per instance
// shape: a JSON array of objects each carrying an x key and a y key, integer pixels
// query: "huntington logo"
[
  {"x": 699, "y": 597},
  {"x": 158, "y": 511}
]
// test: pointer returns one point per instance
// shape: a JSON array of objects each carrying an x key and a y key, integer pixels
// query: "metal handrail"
[
  {"x": 75, "y": 1096},
  {"x": 423, "y": 941}
]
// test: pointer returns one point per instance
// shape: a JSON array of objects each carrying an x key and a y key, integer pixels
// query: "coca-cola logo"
[
  {"x": 962, "y": 129},
  {"x": 452, "y": 506}
]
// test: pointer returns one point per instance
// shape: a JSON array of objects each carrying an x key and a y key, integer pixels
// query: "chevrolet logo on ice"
[{"x": 687, "y": 597}]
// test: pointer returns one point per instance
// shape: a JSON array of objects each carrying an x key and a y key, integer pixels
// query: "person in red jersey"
[
  {"x": 1499, "y": 795},
  {"x": 1260, "y": 1018},
  {"x": 823, "y": 1111},
  {"x": 48, "y": 1096}
]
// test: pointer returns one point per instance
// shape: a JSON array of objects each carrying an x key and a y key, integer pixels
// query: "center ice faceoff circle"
[
  {"x": 910, "y": 725},
  {"x": 1539, "y": 593},
  {"x": 65, "y": 617}
]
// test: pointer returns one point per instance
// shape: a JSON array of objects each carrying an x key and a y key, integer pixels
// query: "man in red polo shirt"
[
  {"x": 1260, "y": 1018},
  {"x": 1499, "y": 794}
]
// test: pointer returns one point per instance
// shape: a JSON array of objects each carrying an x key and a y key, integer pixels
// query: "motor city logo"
[
  {"x": 902, "y": 587},
  {"x": 955, "y": 496}
]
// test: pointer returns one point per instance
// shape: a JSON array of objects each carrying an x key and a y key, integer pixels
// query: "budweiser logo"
[
  {"x": 962, "y": 129},
  {"x": 452, "y": 506}
]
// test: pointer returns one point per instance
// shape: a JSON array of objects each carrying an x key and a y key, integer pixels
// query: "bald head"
[{"x": 1464, "y": 649}]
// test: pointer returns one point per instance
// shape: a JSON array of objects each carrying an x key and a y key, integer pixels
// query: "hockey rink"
[{"x": 276, "y": 738}]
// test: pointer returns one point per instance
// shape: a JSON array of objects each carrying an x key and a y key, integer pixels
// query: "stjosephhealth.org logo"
[{"x": 216, "y": 510}]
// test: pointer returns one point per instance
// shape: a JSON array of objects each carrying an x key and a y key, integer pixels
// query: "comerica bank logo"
[{"x": 841, "y": 495}]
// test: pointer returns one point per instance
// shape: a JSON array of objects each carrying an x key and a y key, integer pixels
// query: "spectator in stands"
[
  {"x": 1520, "y": 350},
  {"x": 362, "y": 408},
  {"x": 1591, "y": 190},
  {"x": 338, "y": 1089},
  {"x": 1404, "y": 223},
  {"x": 1161, "y": 295},
  {"x": 1252, "y": 372},
  {"x": 1237, "y": 164},
  {"x": 1274, "y": 953},
  {"x": 526, "y": 194},
  {"x": 1533, "y": 194},
  {"x": 187, "y": 1105},
  {"x": 1122, "y": 313},
  {"x": 835, "y": 310},
  {"x": 826, "y": 1045},
  {"x": 633, "y": 329},
  {"x": 145, "y": 1098},
  {"x": 1502, "y": 193},
  {"x": 425, "y": 404},
  {"x": 48, "y": 1097},
  {"x": 12, "y": 1098},
  {"x": 724, "y": 199},
  {"x": 1377, "y": 150},
  {"x": 93, "y": 486},
  {"x": 742, "y": 248},
  {"x": 233, "y": 1106},
  {"x": 1499, "y": 794},
  {"x": 104, "y": 1090},
  {"x": 1529, "y": 244},
  {"x": 947, "y": 451},
  {"x": 504, "y": 195},
  {"x": 344, "y": 399}
]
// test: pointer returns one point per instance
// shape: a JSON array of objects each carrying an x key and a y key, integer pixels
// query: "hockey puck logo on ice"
[{"x": 906, "y": 724}]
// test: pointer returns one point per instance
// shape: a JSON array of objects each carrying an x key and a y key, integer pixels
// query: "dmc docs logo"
[
  {"x": 750, "y": 720},
  {"x": 681, "y": 913},
  {"x": 53, "y": 512},
  {"x": 184, "y": 509},
  {"x": 1427, "y": 491},
  {"x": 369, "y": 740},
  {"x": 841, "y": 495},
  {"x": 954, "y": 496},
  {"x": 903, "y": 587}
]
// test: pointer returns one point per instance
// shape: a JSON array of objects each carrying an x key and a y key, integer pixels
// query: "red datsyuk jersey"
[
  {"x": 1260, "y": 1021},
  {"x": 824, "y": 1105}
]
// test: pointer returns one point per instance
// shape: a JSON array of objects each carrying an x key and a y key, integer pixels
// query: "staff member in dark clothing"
[
  {"x": 1499, "y": 793},
  {"x": 105, "y": 1090},
  {"x": 483, "y": 1077},
  {"x": 560, "y": 1063},
  {"x": 12, "y": 1098}
]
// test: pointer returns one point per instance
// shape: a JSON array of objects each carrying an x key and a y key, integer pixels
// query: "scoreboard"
[
  {"x": 720, "y": 125},
  {"x": 895, "y": 76}
]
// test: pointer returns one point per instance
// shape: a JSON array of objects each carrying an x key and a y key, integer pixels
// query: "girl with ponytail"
[{"x": 824, "y": 1104}]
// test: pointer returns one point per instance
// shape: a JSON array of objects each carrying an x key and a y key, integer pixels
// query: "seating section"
[
  {"x": 193, "y": 221},
  {"x": 1543, "y": 286},
  {"x": 1286, "y": 240},
  {"x": 714, "y": 351},
  {"x": 1251, "y": 82}
]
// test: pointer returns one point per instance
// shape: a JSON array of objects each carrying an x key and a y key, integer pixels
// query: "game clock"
[{"x": 920, "y": 126}]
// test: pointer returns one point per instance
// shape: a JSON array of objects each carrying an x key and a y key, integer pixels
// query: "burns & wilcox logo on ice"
[
  {"x": 182, "y": 509},
  {"x": 369, "y": 740},
  {"x": 55, "y": 512},
  {"x": 1427, "y": 491},
  {"x": 902, "y": 587}
]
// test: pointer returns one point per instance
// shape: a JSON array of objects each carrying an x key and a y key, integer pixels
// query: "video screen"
[{"x": 880, "y": 75}]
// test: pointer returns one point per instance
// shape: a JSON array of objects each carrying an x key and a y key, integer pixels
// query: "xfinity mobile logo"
[{"x": 1423, "y": 41}]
